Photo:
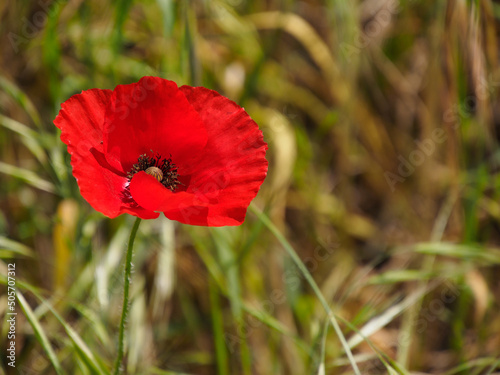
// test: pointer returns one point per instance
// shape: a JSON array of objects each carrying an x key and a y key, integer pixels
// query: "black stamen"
[{"x": 170, "y": 176}]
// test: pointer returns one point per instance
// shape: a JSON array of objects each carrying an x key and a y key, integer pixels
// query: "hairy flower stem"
[{"x": 126, "y": 305}]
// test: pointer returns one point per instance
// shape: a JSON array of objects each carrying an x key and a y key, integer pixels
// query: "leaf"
[
  {"x": 28, "y": 137},
  {"x": 22, "y": 99},
  {"x": 83, "y": 350},
  {"x": 27, "y": 176},
  {"x": 39, "y": 332},
  {"x": 397, "y": 276},
  {"x": 474, "y": 253},
  {"x": 9, "y": 248}
]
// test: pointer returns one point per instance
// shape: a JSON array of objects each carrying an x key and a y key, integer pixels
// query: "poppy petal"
[
  {"x": 81, "y": 120},
  {"x": 181, "y": 206},
  {"x": 232, "y": 166},
  {"x": 152, "y": 115},
  {"x": 152, "y": 195}
]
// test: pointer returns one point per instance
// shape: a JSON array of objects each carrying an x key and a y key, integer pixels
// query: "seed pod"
[{"x": 155, "y": 172}]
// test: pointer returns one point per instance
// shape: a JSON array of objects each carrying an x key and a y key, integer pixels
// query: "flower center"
[
  {"x": 160, "y": 168},
  {"x": 155, "y": 172}
]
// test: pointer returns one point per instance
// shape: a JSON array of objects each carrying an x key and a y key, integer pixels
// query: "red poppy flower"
[{"x": 152, "y": 147}]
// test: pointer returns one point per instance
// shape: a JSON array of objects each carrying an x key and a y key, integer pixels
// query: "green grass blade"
[
  {"x": 27, "y": 176},
  {"x": 39, "y": 333},
  {"x": 305, "y": 272},
  {"x": 231, "y": 269},
  {"x": 465, "y": 252},
  {"x": 279, "y": 327},
  {"x": 167, "y": 10},
  {"x": 28, "y": 137},
  {"x": 52, "y": 51},
  {"x": 9, "y": 247},
  {"x": 22, "y": 99},
  {"x": 218, "y": 276},
  {"x": 121, "y": 11},
  {"x": 398, "y": 276},
  {"x": 494, "y": 363},
  {"x": 322, "y": 365},
  {"x": 82, "y": 349},
  {"x": 388, "y": 316},
  {"x": 157, "y": 371},
  {"x": 218, "y": 327}
]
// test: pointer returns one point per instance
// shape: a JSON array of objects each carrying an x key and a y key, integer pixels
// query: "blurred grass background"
[{"x": 382, "y": 120}]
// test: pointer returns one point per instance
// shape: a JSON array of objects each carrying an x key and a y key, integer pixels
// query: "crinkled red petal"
[
  {"x": 151, "y": 194},
  {"x": 152, "y": 115},
  {"x": 226, "y": 176},
  {"x": 234, "y": 165},
  {"x": 81, "y": 121}
]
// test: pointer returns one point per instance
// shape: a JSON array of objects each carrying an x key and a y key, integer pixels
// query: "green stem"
[{"x": 126, "y": 287}]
